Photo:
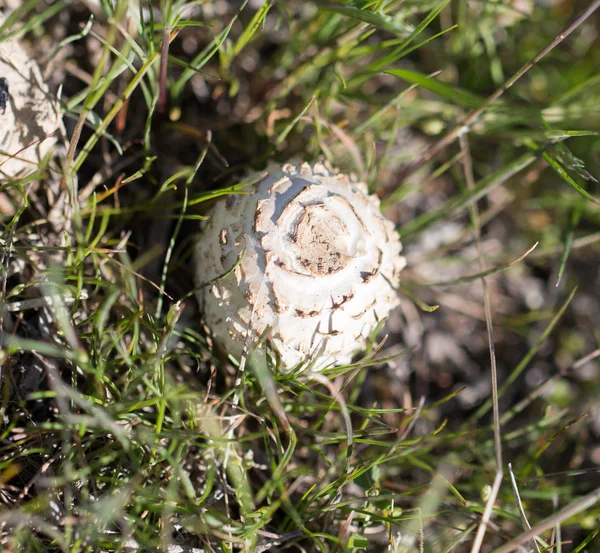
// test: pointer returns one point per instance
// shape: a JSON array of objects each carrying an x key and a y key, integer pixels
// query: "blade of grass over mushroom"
[
  {"x": 157, "y": 203},
  {"x": 369, "y": 361},
  {"x": 528, "y": 357},
  {"x": 471, "y": 278},
  {"x": 234, "y": 189},
  {"x": 220, "y": 277},
  {"x": 454, "y": 206}
]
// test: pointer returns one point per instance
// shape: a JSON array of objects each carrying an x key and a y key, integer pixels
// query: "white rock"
[
  {"x": 30, "y": 124},
  {"x": 320, "y": 266}
]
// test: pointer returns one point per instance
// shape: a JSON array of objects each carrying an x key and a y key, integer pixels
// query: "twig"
[{"x": 487, "y": 513}]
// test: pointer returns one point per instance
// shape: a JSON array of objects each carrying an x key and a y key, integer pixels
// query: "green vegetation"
[{"x": 123, "y": 429}]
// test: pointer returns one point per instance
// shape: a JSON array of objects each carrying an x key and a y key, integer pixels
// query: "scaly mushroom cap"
[
  {"x": 30, "y": 119},
  {"x": 319, "y": 266}
]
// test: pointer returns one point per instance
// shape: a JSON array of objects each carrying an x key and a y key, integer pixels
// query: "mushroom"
[
  {"x": 29, "y": 116},
  {"x": 306, "y": 258}
]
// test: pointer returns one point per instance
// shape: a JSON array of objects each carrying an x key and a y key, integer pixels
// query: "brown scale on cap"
[{"x": 313, "y": 237}]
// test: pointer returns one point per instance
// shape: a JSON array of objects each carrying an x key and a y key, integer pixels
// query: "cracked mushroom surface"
[
  {"x": 306, "y": 257},
  {"x": 29, "y": 116}
]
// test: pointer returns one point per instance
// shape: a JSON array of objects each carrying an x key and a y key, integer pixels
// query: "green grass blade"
[
  {"x": 446, "y": 91},
  {"x": 462, "y": 201},
  {"x": 528, "y": 357},
  {"x": 250, "y": 31},
  {"x": 575, "y": 218},
  {"x": 379, "y": 21}
]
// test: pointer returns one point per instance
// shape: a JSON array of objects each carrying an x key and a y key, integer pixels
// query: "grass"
[{"x": 125, "y": 430}]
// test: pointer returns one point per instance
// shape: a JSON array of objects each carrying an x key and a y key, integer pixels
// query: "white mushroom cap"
[
  {"x": 29, "y": 123},
  {"x": 319, "y": 269}
]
